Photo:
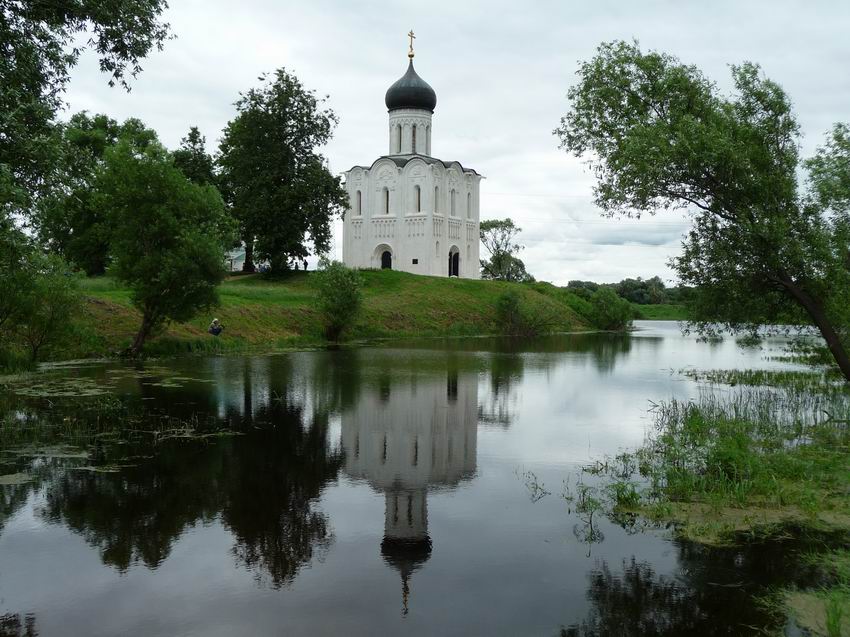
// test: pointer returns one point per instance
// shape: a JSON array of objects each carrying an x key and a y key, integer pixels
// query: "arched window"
[
  {"x": 417, "y": 193},
  {"x": 359, "y": 203},
  {"x": 414, "y": 138},
  {"x": 386, "y": 201},
  {"x": 438, "y": 249},
  {"x": 398, "y": 137},
  {"x": 454, "y": 212},
  {"x": 436, "y": 199},
  {"x": 469, "y": 205}
]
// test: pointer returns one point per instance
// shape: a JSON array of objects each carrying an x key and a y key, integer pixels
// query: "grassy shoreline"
[
  {"x": 263, "y": 314},
  {"x": 660, "y": 312},
  {"x": 745, "y": 462}
]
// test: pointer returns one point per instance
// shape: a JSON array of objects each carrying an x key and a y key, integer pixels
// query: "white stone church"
[{"x": 409, "y": 210}]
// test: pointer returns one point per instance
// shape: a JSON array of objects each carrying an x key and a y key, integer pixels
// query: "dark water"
[{"x": 409, "y": 489}]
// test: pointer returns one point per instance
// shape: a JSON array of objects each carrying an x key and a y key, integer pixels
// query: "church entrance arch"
[
  {"x": 454, "y": 261},
  {"x": 383, "y": 257}
]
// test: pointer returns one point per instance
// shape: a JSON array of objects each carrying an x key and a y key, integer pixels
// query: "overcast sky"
[{"x": 501, "y": 71}]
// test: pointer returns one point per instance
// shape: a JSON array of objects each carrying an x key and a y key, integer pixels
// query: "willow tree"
[
  {"x": 762, "y": 250},
  {"x": 169, "y": 236}
]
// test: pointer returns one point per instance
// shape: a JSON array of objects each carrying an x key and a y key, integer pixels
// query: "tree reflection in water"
[
  {"x": 263, "y": 486},
  {"x": 712, "y": 591},
  {"x": 16, "y": 625}
]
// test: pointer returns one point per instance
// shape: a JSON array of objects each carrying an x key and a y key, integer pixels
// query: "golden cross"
[{"x": 411, "y": 36}]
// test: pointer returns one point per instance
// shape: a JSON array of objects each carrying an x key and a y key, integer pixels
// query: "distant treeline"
[{"x": 642, "y": 291}]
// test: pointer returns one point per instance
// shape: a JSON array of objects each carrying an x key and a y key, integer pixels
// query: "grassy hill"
[{"x": 264, "y": 313}]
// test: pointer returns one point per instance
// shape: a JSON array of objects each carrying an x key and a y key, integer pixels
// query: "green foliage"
[
  {"x": 68, "y": 218},
  {"x": 338, "y": 297},
  {"x": 193, "y": 160},
  {"x": 39, "y": 297},
  {"x": 508, "y": 312},
  {"x": 49, "y": 305},
  {"x": 169, "y": 235},
  {"x": 643, "y": 291},
  {"x": 661, "y": 312},
  {"x": 15, "y": 278},
  {"x": 41, "y": 41},
  {"x": 609, "y": 311},
  {"x": 273, "y": 177},
  {"x": 499, "y": 239},
  {"x": 515, "y": 318},
  {"x": 759, "y": 252}
]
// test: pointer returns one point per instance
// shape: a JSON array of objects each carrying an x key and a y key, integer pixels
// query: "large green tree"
[
  {"x": 273, "y": 176},
  {"x": 761, "y": 250},
  {"x": 39, "y": 43},
  {"x": 67, "y": 217},
  {"x": 169, "y": 235},
  {"x": 193, "y": 159},
  {"x": 499, "y": 238}
]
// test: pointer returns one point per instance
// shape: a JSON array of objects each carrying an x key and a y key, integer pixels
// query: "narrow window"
[
  {"x": 436, "y": 199},
  {"x": 469, "y": 205},
  {"x": 414, "y": 139},
  {"x": 417, "y": 191},
  {"x": 453, "y": 202},
  {"x": 359, "y": 203},
  {"x": 386, "y": 201},
  {"x": 398, "y": 138}
]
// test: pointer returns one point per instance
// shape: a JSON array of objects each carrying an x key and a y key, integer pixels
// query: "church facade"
[{"x": 409, "y": 210}]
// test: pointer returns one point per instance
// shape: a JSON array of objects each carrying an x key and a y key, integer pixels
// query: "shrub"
[
  {"x": 514, "y": 318},
  {"x": 609, "y": 311},
  {"x": 339, "y": 296},
  {"x": 49, "y": 306}
]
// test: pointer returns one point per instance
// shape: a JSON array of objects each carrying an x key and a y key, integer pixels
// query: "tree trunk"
[
  {"x": 822, "y": 322},
  {"x": 248, "y": 265},
  {"x": 141, "y": 335}
]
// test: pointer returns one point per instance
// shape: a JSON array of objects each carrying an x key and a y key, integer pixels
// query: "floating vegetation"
[
  {"x": 536, "y": 489},
  {"x": 53, "y": 452},
  {"x": 817, "y": 380},
  {"x": 13, "y": 479},
  {"x": 61, "y": 388}
]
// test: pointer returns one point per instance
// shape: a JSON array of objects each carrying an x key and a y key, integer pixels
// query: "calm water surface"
[{"x": 408, "y": 489}]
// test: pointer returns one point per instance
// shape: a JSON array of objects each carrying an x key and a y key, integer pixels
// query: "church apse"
[{"x": 407, "y": 438}]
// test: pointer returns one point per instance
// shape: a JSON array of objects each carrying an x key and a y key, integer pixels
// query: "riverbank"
[
  {"x": 661, "y": 312},
  {"x": 260, "y": 313},
  {"x": 758, "y": 456}
]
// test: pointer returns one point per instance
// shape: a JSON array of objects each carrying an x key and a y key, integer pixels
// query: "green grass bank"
[
  {"x": 264, "y": 313},
  {"x": 660, "y": 312}
]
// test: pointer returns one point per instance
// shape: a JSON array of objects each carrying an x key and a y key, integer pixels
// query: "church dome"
[{"x": 411, "y": 91}]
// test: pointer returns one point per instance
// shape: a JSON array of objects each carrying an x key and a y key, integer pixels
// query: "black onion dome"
[{"x": 411, "y": 91}]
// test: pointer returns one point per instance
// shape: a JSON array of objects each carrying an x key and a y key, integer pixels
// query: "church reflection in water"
[{"x": 406, "y": 439}]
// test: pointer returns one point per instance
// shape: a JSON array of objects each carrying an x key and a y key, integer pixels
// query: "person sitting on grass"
[{"x": 215, "y": 327}]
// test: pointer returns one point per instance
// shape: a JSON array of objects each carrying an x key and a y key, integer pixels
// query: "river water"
[{"x": 409, "y": 488}]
